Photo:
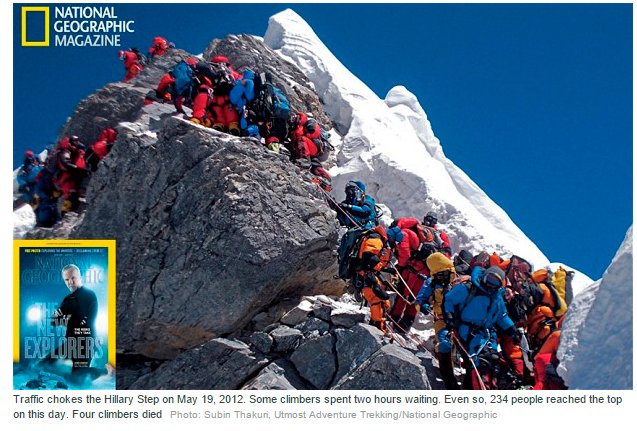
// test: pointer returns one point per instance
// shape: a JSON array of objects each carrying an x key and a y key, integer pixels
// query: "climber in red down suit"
[{"x": 305, "y": 136}]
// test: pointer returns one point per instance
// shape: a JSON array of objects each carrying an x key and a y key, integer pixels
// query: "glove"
[{"x": 346, "y": 206}]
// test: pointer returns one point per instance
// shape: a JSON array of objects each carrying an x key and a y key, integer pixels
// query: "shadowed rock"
[
  {"x": 218, "y": 364},
  {"x": 354, "y": 346},
  {"x": 315, "y": 361},
  {"x": 391, "y": 367},
  {"x": 271, "y": 377}
]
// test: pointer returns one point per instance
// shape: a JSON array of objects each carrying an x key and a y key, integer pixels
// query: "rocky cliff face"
[
  {"x": 217, "y": 240},
  {"x": 210, "y": 230},
  {"x": 118, "y": 102},
  {"x": 321, "y": 343}
]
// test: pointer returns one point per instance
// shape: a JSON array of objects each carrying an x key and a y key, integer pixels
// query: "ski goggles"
[
  {"x": 444, "y": 276},
  {"x": 492, "y": 281},
  {"x": 430, "y": 221}
]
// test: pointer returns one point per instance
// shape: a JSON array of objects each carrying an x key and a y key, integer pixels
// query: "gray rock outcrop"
[
  {"x": 219, "y": 233},
  {"x": 271, "y": 377},
  {"x": 340, "y": 354},
  {"x": 315, "y": 361},
  {"x": 218, "y": 239},
  {"x": 218, "y": 364},
  {"x": 210, "y": 229},
  {"x": 391, "y": 367},
  {"x": 354, "y": 346}
]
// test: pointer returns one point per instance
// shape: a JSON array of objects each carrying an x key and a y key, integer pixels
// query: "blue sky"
[{"x": 533, "y": 102}]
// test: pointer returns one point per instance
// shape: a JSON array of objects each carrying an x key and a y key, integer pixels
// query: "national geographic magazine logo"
[{"x": 68, "y": 26}]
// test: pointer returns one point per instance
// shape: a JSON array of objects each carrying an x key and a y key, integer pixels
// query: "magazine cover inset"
[{"x": 64, "y": 314}]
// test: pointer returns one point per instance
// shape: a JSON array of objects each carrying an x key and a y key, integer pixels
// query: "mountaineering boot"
[
  {"x": 67, "y": 206},
  {"x": 396, "y": 321},
  {"x": 233, "y": 129},
  {"x": 405, "y": 322},
  {"x": 445, "y": 365},
  {"x": 303, "y": 163}
]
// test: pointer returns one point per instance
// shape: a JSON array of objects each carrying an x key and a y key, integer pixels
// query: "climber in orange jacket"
[
  {"x": 373, "y": 256},
  {"x": 545, "y": 362}
]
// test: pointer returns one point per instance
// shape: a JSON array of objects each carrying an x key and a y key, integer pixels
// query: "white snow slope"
[
  {"x": 389, "y": 145},
  {"x": 23, "y": 221},
  {"x": 596, "y": 350}
]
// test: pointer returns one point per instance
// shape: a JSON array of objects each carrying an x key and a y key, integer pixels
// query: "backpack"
[
  {"x": 221, "y": 78},
  {"x": 462, "y": 261},
  {"x": 184, "y": 77},
  {"x": 345, "y": 251},
  {"x": 556, "y": 302},
  {"x": 140, "y": 57},
  {"x": 322, "y": 143},
  {"x": 360, "y": 246},
  {"x": 562, "y": 282},
  {"x": 481, "y": 259},
  {"x": 519, "y": 270},
  {"x": 269, "y": 101},
  {"x": 430, "y": 241},
  {"x": 518, "y": 306}
]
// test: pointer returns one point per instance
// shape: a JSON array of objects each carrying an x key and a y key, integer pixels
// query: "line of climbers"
[
  {"x": 64, "y": 172},
  {"x": 134, "y": 60},
  {"x": 500, "y": 316},
  {"x": 245, "y": 104}
]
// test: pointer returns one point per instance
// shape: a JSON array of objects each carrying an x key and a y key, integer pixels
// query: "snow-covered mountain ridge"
[{"x": 390, "y": 145}]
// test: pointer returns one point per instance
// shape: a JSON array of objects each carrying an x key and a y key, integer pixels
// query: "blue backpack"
[
  {"x": 280, "y": 104},
  {"x": 183, "y": 79}
]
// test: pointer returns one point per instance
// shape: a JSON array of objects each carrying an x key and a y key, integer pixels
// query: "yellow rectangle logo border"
[
  {"x": 27, "y": 9},
  {"x": 109, "y": 244}
]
